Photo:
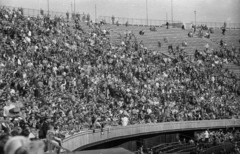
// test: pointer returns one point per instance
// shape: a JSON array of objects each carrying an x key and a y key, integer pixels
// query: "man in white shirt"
[
  {"x": 206, "y": 135},
  {"x": 124, "y": 120}
]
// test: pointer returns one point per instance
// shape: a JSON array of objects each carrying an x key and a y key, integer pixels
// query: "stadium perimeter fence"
[
  {"x": 151, "y": 22},
  {"x": 121, "y": 20},
  {"x": 36, "y": 12}
]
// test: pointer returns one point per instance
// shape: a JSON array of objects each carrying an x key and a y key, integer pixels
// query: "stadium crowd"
[
  {"x": 216, "y": 137},
  {"x": 211, "y": 138},
  {"x": 55, "y": 75}
]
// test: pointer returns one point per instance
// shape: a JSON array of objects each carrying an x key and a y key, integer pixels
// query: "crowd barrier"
[
  {"x": 134, "y": 21},
  {"x": 220, "y": 24},
  {"x": 89, "y": 138}
]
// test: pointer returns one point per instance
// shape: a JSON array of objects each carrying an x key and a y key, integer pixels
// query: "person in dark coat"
[
  {"x": 141, "y": 32},
  {"x": 167, "y": 24},
  {"x": 44, "y": 128}
]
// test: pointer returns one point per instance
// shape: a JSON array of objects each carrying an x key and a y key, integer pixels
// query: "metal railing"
[
  {"x": 134, "y": 21},
  {"x": 220, "y": 24},
  {"x": 152, "y": 22},
  {"x": 121, "y": 20},
  {"x": 84, "y": 139}
]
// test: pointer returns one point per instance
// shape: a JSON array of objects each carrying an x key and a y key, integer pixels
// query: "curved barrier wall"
[{"x": 88, "y": 138}]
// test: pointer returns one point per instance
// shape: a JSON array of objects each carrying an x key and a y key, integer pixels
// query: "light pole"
[
  {"x": 95, "y": 13},
  {"x": 147, "y": 10},
  {"x": 172, "y": 10},
  {"x": 195, "y": 13},
  {"x": 74, "y": 7},
  {"x": 48, "y": 6}
]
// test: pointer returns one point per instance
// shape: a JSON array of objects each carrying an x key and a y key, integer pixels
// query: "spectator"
[
  {"x": 67, "y": 15},
  {"x": 170, "y": 48},
  {"x": 167, "y": 24},
  {"x": 3, "y": 140},
  {"x": 159, "y": 44},
  {"x": 21, "y": 144},
  {"x": 206, "y": 135},
  {"x": 53, "y": 139},
  {"x": 194, "y": 28},
  {"x": 211, "y": 30},
  {"x": 124, "y": 120},
  {"x": 207, "y": 35},
  {"x": 224, "y": 28},
  {"x": 141, "y": 32},
  {"x": 183, "y": 27},
  {"x": 221, "y": 43},
  {"x": 190, "y": 34},
  {"x": 184, "y": 44},
  {"x": 113, "y": 20},
  {"x": 126, "y": 24},
  {"x": 165, "y": 40},
  {"x": 153, "y": 28}
]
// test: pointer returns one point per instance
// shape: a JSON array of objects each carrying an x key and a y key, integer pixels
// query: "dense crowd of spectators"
[
  {"x": 216, "y": 137},
  {"x": 230, "y": 54},
  {"x": 223, "y": 141},
  {"x": 210, "y": 138},
  {"x": 54, "y": 73}
]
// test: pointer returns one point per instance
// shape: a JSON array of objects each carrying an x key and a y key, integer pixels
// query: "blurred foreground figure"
[{"x": 22, "y": 145}]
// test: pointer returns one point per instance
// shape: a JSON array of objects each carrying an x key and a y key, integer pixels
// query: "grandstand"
[{"x": 75, "y": 87}]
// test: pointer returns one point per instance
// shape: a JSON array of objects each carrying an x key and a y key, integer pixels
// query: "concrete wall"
[{"x": 89, "y": 138}]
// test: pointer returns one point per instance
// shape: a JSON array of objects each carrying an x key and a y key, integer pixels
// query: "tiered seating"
[
  {"x": 175, "y": 37},
  {"x": 68, "y": 79},
  {"x": 231, "y": 37},
  {"x": 150, "y": 39}
]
